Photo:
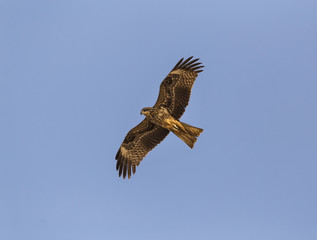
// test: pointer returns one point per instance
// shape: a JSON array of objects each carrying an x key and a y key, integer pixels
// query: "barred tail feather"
[
  {"x": 194, "y": 131},
  {"x": 186, "y": 137},
  {"x": 186, "y": 132}
]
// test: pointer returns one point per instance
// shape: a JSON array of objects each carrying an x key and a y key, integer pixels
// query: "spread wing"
[
  {"x": 176, "y": 88},
  {"x": 137, "y": 143}
]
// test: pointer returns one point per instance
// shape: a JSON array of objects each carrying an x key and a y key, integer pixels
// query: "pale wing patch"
[
  {"x": 124, "y": 152},
  {"x": 177, "y": 71}
]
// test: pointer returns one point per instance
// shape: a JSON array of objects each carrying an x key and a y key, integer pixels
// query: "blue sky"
[{"x": 73, "y": 78}]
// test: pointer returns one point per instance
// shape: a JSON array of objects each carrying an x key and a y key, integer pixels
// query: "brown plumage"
[{"x": 162, "y": 118}]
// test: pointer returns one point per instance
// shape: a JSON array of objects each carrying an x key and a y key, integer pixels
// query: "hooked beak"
[{"x": 141, "y": 112}]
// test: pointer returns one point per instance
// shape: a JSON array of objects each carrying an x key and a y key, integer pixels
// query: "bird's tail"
[{"x": 188, "y": 133}]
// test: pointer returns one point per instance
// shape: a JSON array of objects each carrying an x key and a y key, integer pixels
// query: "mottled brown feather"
[
  {"x": 136, "y": 145},
  {"x": 175, "y": 90}
]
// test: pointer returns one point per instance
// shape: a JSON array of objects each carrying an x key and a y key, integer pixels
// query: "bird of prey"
[{"x": 162, "y": 118}]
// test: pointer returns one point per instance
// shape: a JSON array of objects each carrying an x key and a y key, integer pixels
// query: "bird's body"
[
  {"x": 159, "y": 116},
  {"x": 162, "y": 118}
]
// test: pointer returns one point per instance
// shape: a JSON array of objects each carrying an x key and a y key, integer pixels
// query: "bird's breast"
[{"x": 162, "y": 117}]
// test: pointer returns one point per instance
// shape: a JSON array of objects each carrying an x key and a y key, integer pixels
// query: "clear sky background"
[{"x": 74, "y": 76}]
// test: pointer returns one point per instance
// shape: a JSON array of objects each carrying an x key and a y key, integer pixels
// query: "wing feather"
[
  {"x": 175, "y": 90},
  {"x": 177, "y": 64},
  {"x": 136, "y": 145}
]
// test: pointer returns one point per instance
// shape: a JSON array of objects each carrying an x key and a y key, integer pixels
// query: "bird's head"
[{"x": 146, "y": 111}]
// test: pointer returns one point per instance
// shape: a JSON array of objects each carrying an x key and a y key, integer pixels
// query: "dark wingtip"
[
  {"x": 117, "y": 165},
  {"x": 189, "y": 64},
  {"x": 120, "y": 170},
  {"x": 119, "y": 160},
  {"x": 117, "y": 155},
  {"x": 129, "y": 170},
  {"x": 186, "y": 61},
  {"x": 123, "y": 166},
  {"x": 177, "y": 64},
  {"x": 124, "y": 169}
]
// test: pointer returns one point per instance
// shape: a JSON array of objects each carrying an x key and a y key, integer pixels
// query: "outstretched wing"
[
  {"x": 137, "y": 143},
  {"x": 176, "y": 88}
]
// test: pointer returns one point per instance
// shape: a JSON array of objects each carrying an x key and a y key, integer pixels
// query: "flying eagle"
[{"x": 162, "y": 118}]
